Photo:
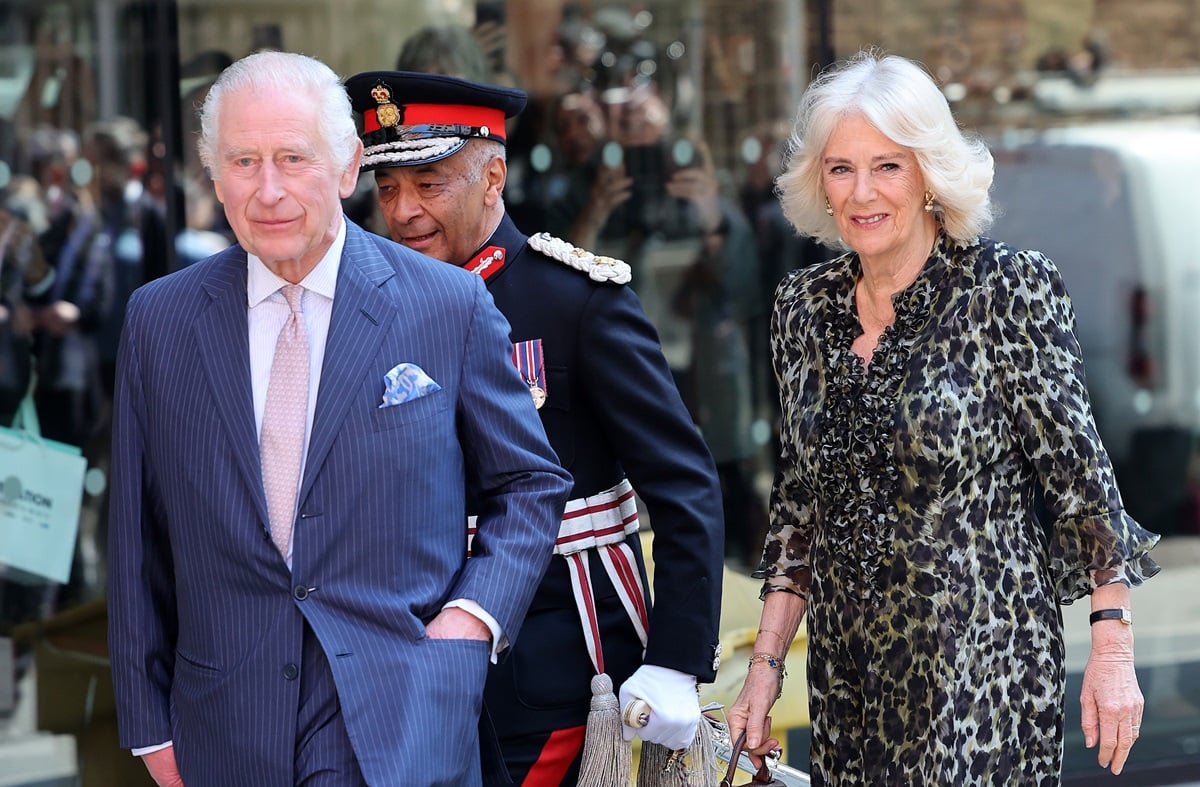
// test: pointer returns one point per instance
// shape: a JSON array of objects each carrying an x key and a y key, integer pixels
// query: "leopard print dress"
[{"x": 905, "y": 509}]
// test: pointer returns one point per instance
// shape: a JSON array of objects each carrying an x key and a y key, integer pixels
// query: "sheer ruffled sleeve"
[
  {"x": 785, "y": 559},
  {"x": 1092, "y": 538}
]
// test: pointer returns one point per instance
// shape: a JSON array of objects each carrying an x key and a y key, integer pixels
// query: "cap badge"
[{"x": 387, "y": 113}]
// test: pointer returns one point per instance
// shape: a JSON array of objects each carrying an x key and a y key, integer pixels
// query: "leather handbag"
[{"x": 761, "y": 777}]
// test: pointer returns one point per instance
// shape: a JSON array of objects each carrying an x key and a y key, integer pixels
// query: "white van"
[{"x": 1117, "y": 207}]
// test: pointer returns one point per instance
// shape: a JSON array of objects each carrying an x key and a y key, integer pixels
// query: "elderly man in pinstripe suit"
[{"x": 290, "y": 603}]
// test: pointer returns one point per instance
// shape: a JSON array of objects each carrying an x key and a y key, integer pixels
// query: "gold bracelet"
[
  {"x": 774, "y": 634},
  {"x": 772, "y": 661}
]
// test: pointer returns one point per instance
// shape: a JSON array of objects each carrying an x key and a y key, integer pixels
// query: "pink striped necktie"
[{"x": 284, "y": 419}]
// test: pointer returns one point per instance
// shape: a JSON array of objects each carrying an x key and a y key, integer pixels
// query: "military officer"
[{"x": 596, "y": 372}]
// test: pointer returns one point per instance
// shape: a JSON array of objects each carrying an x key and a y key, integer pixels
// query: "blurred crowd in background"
[
  {"x": 608, "y": 155},
  {"x": 650, "y": 138}
]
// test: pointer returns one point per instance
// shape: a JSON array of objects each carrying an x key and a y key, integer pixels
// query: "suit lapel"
[
  {"x": 222, "y": 335},
  {"x": 360, "y": 319}
]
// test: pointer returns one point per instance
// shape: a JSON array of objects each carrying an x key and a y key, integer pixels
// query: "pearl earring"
[
  {"x": 929, "y": 202},
  {"x": 829, "y": 208}
]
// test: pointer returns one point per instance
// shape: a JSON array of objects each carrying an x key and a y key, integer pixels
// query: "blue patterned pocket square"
[{"x": 406, "y": 381}]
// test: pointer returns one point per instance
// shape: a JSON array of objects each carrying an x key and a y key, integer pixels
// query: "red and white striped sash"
[{"x": 602, "y": 522}]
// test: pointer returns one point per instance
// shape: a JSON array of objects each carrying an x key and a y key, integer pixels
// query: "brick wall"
[
  {"x": 984, "y": 40},
  {"x": 994, "y": 48},
  {"x": 1152, "y": 33}
]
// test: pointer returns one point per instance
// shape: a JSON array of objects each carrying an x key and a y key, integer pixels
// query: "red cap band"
[{"x": 444, "y": 114}]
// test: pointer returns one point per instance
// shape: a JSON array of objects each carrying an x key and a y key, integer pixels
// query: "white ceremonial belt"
[
  {"x": 598, "y": 520},
  {"x": 591, "y": 521},
  {"x": 601, "y": 522}
]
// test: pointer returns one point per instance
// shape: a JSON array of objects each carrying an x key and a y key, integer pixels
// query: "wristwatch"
[{"x": 1123, "y": 614}]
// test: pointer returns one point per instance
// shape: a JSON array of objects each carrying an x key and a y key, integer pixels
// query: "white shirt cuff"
[{"x": 151, "y": 749}]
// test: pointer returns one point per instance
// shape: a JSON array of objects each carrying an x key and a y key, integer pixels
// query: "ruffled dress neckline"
[{"x": 860, "y": 477}]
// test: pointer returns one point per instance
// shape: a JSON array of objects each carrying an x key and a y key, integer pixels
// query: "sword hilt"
[{"x": 636, "y": 713}]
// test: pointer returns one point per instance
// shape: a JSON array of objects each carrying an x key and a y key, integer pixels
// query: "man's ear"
[
  {"x": 494, "y": 175},
  {"x": 349, "y": 179}
]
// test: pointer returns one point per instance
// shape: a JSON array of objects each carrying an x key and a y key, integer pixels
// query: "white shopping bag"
[{"x": 41, "y": 491}]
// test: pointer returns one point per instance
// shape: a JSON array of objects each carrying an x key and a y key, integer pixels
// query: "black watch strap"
[{"x": 1123, "y": 614}]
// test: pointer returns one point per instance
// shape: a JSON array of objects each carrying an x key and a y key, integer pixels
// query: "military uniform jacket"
[{"x": 612, "y": 410}]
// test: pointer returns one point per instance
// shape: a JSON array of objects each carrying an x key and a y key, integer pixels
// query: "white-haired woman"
[{"x": 932, "y": 390}]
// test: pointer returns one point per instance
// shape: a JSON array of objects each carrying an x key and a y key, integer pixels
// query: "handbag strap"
[{"x": 762, "y": 776}]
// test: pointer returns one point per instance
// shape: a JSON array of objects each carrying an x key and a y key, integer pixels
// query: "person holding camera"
[{"x": 641, "y": 180}]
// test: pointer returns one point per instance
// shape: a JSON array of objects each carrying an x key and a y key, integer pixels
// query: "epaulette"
[{"x": 597, "y": 268}]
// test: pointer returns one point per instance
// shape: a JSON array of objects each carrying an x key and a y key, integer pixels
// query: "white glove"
[{"x": 674, "y": 706}]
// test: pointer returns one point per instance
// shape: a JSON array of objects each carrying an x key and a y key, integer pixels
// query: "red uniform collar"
[{"x": 488, "y": 261}]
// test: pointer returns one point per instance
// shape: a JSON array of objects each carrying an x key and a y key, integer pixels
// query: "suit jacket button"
[
  {"x": 300, "y": 592},
  {"x": 291, "y": 671}
]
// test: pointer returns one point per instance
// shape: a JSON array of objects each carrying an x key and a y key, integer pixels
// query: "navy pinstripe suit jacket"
[{"x": 205, "y": 618}]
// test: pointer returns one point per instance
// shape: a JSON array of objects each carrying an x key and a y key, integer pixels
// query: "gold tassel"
[
  {"x": 607, "y": 759},
  {"x": 695, "y": 767}
]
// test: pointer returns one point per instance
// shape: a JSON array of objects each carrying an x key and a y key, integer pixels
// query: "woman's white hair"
[
  {"x": 283, "y": 73},
  {"x": 902, "y": 101}
]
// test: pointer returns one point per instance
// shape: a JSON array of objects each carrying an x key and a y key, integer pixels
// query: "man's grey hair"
[
  {"x": 477, "y": 153},
  {"x": 282, "y": 72}
]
